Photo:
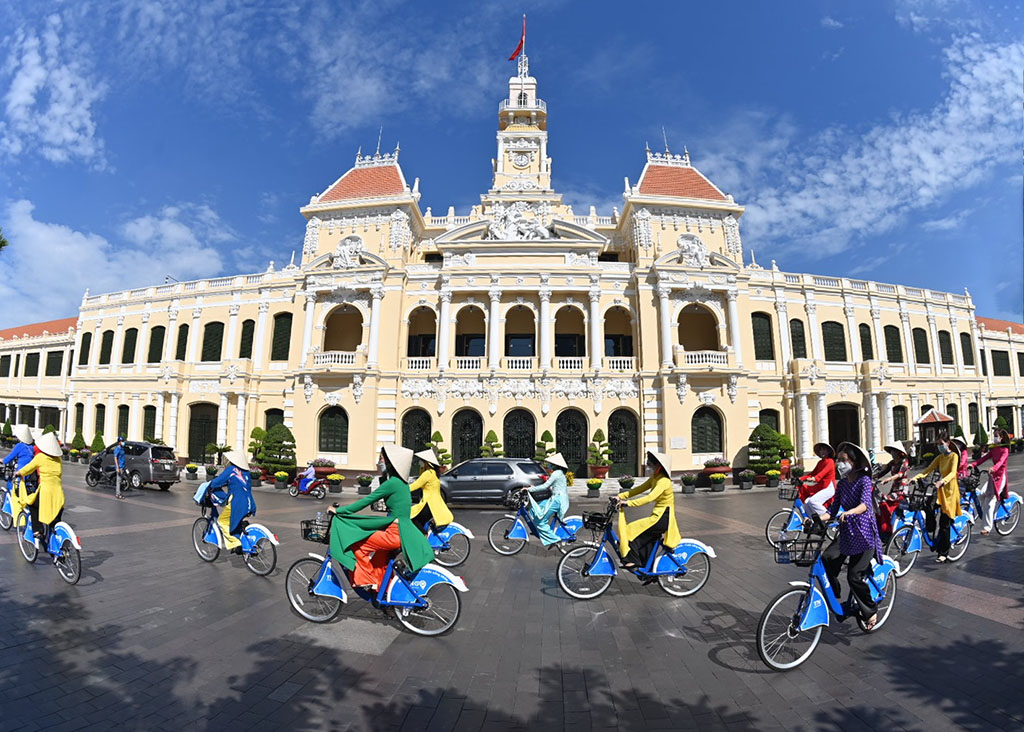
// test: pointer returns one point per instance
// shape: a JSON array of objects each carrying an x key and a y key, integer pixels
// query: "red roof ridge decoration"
[
  {"x": 934, "y": 416},
  {"x": 673, "y": 176},
  {"x": 49, "y": 327},
  {"x": 1003, "y": 325},
  {"x": 372, "y": 176}
]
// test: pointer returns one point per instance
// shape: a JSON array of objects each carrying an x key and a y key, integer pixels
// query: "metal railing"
[{"x": 515, "y": 104}]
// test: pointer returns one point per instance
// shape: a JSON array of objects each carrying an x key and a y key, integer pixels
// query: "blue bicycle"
[
  {"x": 426, "y": 603},
  {"x": 509, "y": 534},
  {"x": 1007, "y": 513},
  {"x": 6, "y": 511},
  {"x": 451, "y": 544},
  {"x": 62, "y": 544},
  {"x": 259, "y": 544},
  {"x": 787, "y": 524},
  {"x": 587, "y": 571},
  {"x": 910, "y": 533},
  {"x": 790, "y": 627}
]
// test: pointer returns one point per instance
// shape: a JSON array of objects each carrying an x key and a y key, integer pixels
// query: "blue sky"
[{"x": 143, "y": 138}]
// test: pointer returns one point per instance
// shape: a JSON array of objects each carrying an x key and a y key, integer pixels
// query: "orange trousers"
[{"x": 373, "y": 555}]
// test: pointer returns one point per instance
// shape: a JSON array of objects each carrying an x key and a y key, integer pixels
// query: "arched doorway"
[
  {"x": 843, "y": 424},
  {"x": 415, "y": 429},
  {"x": 202, "y": 430},
  {"x": 467, "y": 435},
  {"x": 706, "y": 432},
  {"x": 571, "y": 439},
  {"x": 618, "y": 333},
  {"x": 570, "y": 334},
  {"x": 519, "y": 432},
  {"x": 422, "y": 329},
  {"x": 698, "y": 328},
  {"x": 520, "y": 329},
  {"x": 623, "y": 440},
  {"x": 343, "y": 329}
]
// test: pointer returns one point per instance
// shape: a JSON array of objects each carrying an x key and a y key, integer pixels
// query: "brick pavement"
[{"x": 153, "y": 638}]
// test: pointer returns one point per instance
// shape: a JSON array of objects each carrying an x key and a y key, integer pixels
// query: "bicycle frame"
[
  {"x": 919, "y": 531},
  {"x": 61, "y": 532},
  {"x": 972, "y": 504},
  {"x": 249, "y": 538},
  {"x": 565, "y": 530},
  {"x": 821, "y": 602},
  {"x": 799, "y": 514},
  {"x": 660, "y": 562}
]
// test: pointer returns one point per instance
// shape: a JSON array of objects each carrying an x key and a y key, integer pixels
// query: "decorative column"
[
  {"x": 172, "y": 432},
  {"x": 171, "y": 334},
  {"x": 803, "y": 415},
  {"x": 68, "y": 433},
  {"x": 545, "y": 328},
  {"x": 851, "y": 327},
  {"x": 665, "y": 311},
  {"x": 36, "y": 416},
  {"x": 376, "y": 294},
  {"x": 493, "y": 332},
  {"x": 94, "y": 347},
  {"x": 596, "y": 341},
  {"x": 194, "y": 336},
  {"x": 110, "y": 419},
  {"x": 133, "y": 419},
  {"x": 874, "y": 429},
  {"x": 883, "y": 433},
  {"x": 821, "y": 423},
  {"x": 115, "y": 351},
  {"x": 142, "y": 344},
  {"x": 908, "y": 341},
  {"x": 784, "y": 334},
  {"x": 62, "y": 428},
  {"x": 66, "y": 366},
  {"x": 443, "y": 328},
  {"x": 259, "y": 347},
  {"x": 230, "y": 349},
  {"x": 915, "y": 413},
  {"x": 812, "y": 326},
  {"x": 887, "y": 408},
  {"x": 936, "y": 351},
  {"x": 240, "y": 423},
  {"x": 159, "y": 431},
  {"x": 734, "y": 327},
  {"x": 958, "y": 356},
  {"x": 222, "y": 420},
  {"x": 88, "y": 417},
  {"x": 879, "y": 333},
  {"x": 307, "y": 327}
]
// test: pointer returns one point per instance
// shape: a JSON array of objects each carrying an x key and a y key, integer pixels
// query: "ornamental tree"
[
  {"x": 279, "y": 450},
  {"x": 491, "y": 446},
  {"x": 981, "y": 436},
  {"x": 78, "y": 442},
  {"x": 443, "y": 456},
  {"x": 763, "y": 450},
  {"x": 98, "y": 443},
  {"x": 599, "y": 453},
  {"x": 544, "y": 450},
  {"x": 257, "y": 436}
]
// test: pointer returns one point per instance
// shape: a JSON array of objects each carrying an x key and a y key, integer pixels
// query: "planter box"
[
  {"x": 364, "y": 490},
  {"x": 717, "y": 487},
  {"x": 746, "y": 485},
  {"x": 688, "y": 489},
  {"x": 280, "y": 485},
  {"x": 773, "y": 483},
  {"x": 593, "y": 492},
  {"x": 598, "y": 471},
  {"x": 333, "y": 487},
  {"x": 256, "y": 482}
]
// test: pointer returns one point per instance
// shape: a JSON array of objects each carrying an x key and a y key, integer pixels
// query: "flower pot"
[
  {"x": 593, "y": 492},
  {"x": 334, "y": 487},
  {"x": 760, "y": 479},
  {"x": 689, "y": 489},
  {"x": 773, "y": 482},
  {"x": 599, "y": 471},
  {"x": 364, "y": 490},
  {"x": 191, "y": 476},
  {"x": 83, "y": 460},
  {"x": 324, "y": 472},
  {"x": 746, "y": 485},
  {"x": 256, "y": 482},
  {"x": 280, "y": 485},
  {"x": 718, "y": 487}
]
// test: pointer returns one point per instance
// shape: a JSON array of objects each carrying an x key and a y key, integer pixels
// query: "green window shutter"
[
  {"x": 5, "y": 366},
  {"x": 952, "y": 411},
  {"x": 972, "y": 417},
  {"x": 833, "y": 337},
  {"x": 867, "y": 347},
  {"x": 32, "y": 364},
  {"x": 181, "y": 347},
  {"x": 796, "y": 335},
  {"x": 282, "y": 337},
  {"x": 334, "y": 430},
  {"x": 893, "y": 345},
  {"x": 946, "y": 347},
  {"x": 245, "y": 343},
  {"x": 984, "y": 362},
  {"x": 899, "y": 422},
  {"x": 122, "y": 420},
  {"x": 706, "y": 431},
  {"x": 769, "y": 417},
  {"x": 54, "y": 362},
  {"x": 131, "y": 338},
  {"x": 213, "y": 341},
  {"x": 1001, "y": 363},
  {"x": 920, "y": 345},
  {"x": 101, "y": 418},
  {"x": 83, "y": 353},
  {"x": 106, "y": 346},
  {"x": 79, "y": 417},
  {"x": 967, "y": 349},
  {"x": 272, "y": 417},
  {"x": 149, "y": 423},
  {"x": 1020, "y": 363},
  {"x": 764, "y": 348},
  {"x": 156, "y": 344}
]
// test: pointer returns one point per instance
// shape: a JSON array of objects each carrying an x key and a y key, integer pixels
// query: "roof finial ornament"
[
  {"x": 686, "y": 156},
  {"x": 664, "y": 137},
  {"x": 380, "y": 134}
]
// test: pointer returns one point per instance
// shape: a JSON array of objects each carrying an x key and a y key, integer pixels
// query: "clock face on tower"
[{"x": 520, "y": 159}]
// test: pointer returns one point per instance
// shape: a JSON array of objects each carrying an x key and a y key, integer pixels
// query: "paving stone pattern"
[{"x": 155, "y": 639}]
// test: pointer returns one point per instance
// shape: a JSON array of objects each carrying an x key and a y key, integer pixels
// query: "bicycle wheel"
[
  {"x": 455, "y": 554},
  {"x": 698, "y": 570},
  {"x": 956, "y": 551},
  {"x": 263, "y": 558},
  {"x": 29, "y": 550},
  {"x": 1004, "y": 526},
  {"x": 572, "y": 576},
  {"x": 440, "y": 614},
  {"x": 497, "y": 537},
  {"x": 69, "y": 562},
  {"x": 6, "y": 520},
  {"x": 298, "y": 585},
  {"x": 775, "y": 529},
  {"x": 884, "y": 605},
  {"x": 896, "y": 548},
  {"x": 206, "y": 551},
  {"x": 780, "y": 643}
]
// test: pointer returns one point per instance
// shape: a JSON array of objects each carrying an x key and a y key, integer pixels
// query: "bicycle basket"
[
  {"x": 596, "y": 521},
  {"x": 788, "y": 492},
  {"x": 917, "y": 499},
  {"x": 514, "y": 500},
  {"x": 379, "y": 506},
  {"x": 316, "y": 530},
  {"x": 802, "y": 551}
]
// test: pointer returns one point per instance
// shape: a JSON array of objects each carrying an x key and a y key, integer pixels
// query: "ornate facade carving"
[
  {"x": 681, "y": 388},
  {"x": 510, "y": 222},
  {"x": 312, "y": 239},
  {"x": 733, "y": 388},
  {"x": 843, "y": 387},
  {"x": 346, "y": 254},
  {"x": 201, "y": 387},
  {"x": 692, "y": 251},
  {"x": 642, "y": 229},
  {"x": 732, "y": 234},
  {"x": 400, "y": 234}
]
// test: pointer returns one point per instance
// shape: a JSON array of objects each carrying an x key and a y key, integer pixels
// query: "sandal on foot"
[
  {"x": 941, "y": 560},
  {"x": 986, "y": 532},
  {"x": 870, "y": 623}
]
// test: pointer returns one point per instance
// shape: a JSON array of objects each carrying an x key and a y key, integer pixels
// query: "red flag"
[{"x": 522, "y": 42}]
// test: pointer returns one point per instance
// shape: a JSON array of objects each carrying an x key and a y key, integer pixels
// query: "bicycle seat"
[{"x": 243, "y": 526}]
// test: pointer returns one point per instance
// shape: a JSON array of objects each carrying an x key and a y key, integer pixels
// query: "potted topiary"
[
  {"x": 98, "y": 445},
  {"x": 599, "y": 456},
  {"x": 83, "y": 455},
  {"x": 280, "y": 480},
  {"x": 718, "y": 482},
  {"x": 763, "y": 452},
  {"x": 543, "y": 446},
  {"x": 334, "y": 482},
  {"x": 689, "y": 482},
  {"x": 442, "y": 453},
  {"x": 746, "y": 480},
  {"x": 773, "y": 478},
  {"x": 211, "y": 472},
  {"x": 65, "y": 452},
  {"x": 279, "y": 451},
  {"x": 365, "y": 481},
  {"x": 256, "y": 477},
  {"x": 191, "y": 470},
  {"x": 323, "y": 467},
  {"x": 626, "y": 482},
  {"x": 594, "y": 487}
]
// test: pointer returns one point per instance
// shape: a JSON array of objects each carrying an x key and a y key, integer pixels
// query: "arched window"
[
  {"x": 415, "y": 429},
  {"x": 470, "y": 332},
  {"x": 972, "y": 417},
  {"x": 523, "y": 99},
  {"x": 899, "y": 423},
  {"x": 518, "y": 434},
  {"x": 101, "y": 419},
  {"x": 967, "y": 349},
  {"x": 131, "y": 339},
  {"x": 796, "y": 335},
  {"x": 697, "y": 328},
  {"x": 106, "y": 346},
  {"x": 833, "y": 337},
  {"x": 79, "y": 417},
  {"x": 946, "y": 347},
  {"x": 953, "y": 411},
  {"x": 343, "y": 329},
  {"x": 920, "y": 345},
  {"x": 149, "y": 423},
  {"x": 213, "y": 341},
  {"x": 706, "y": 431},
  {"x": 618, "y": 332},
  {"x": 245, "y": 342},
  {"x": 925, "y": 408},
  {"x": 893, "y": 344},
  {"x": 467, "y": 435},
  {"x": 769, "y": 417},
  {"x": 122, "y": 420},
  {"x": 422, "y": 334},
  {"x": 181, "y": 347},
  {"x": 764, "y": 348},
  {"x": 624, "y": 442},
  {"x": 282, "y": 337},
  {"x": 570, "y": 333},
  {"x": 156, "y": 344},
  {"x": 83, "y": 351},
  {"x": 272, "y": 417},
  {"x": 334, "y": 430},
  {"x": 867, "y": 347}
]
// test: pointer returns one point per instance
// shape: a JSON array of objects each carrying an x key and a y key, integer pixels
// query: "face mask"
[
  {"x": 943, "y": 449},
  {"x": 843, "y": 468},
  {"x": 382, "y": 466}
]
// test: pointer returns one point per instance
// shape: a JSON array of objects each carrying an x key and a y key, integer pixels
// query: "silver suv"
[
  {"x": 489, "y": 480},
  {"x": 144, "y": 463}
]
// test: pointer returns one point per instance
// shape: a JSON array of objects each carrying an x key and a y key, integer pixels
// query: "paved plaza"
[{"x": 153, "y": 638}]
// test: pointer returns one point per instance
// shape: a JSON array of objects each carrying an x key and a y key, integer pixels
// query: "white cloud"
[
  {"x": 948, "y": 223},
  {"x": 49, "y": 103},
  {"x": 175, "y": 242},
  {"x": 830, "y": 23},
  {"x": 817, "y": 194}
]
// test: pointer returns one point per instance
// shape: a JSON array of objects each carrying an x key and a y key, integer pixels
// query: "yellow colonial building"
[{"x": 523, "y": 316}]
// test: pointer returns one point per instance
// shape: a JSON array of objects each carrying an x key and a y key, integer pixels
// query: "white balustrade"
[
  {"x": 705, "y": 358},
  {"x": 419, "y": 363},
  {"x": 334, "y": 358},
  {"x": 570, "y": 363},
  {"x": 619, "y": 363},
  {"x": 222, "y": 282},
  {"x": 519, "y": 363},
  {"x": 826, "y": 281},
  {"x": 254, "y": 279},
  {"x": 469, "y": 363}
]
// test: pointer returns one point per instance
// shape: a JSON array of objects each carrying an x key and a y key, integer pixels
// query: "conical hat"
[
  {"x": 557, "y": 460},
  {"x": 863, "y": 461},
  {"x": 238, "y": 458},
  {"x": 897, "y": 447},
  {"x": 827, "y": 447},
  {"x": 400, "y": 459},
  {"x": 960, "y": 441},
  {"x": 23, "y": 433},
  {"x": 429, "y": 456},
  {"x": 663, "y": 460},
  {"x": 49, "y": 445}
]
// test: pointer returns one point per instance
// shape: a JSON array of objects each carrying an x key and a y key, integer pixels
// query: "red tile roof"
[
  {"x": 993, "y": 324},
  {"x": 934, "y": 416},
  {"x": 370, "y": 182},
  {"x": 677, "y": 181},
  {"x": 36, "y": 329}
]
